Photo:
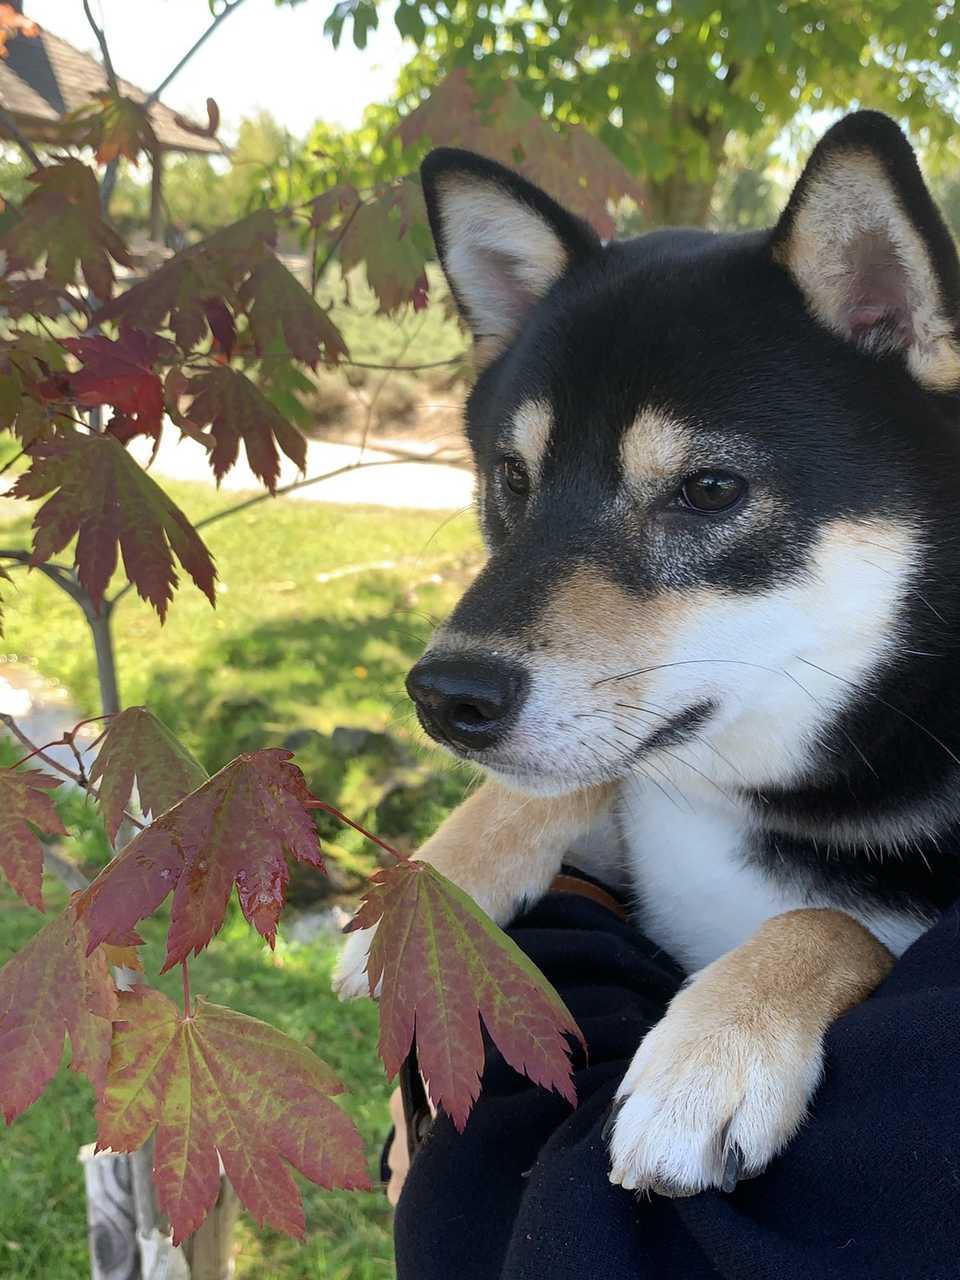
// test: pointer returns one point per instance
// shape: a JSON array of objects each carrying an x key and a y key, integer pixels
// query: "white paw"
[
  {"x": 710, "y": 1097},
  {"x": 350, "y": 979}
]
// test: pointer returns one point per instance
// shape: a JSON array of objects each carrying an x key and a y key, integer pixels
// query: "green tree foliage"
[
  {"x": 666, "y": 85},
  {"x": 202, "y": 194}
]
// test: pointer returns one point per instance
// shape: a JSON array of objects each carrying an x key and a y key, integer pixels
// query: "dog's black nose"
[{"x": 466, "y": 701}]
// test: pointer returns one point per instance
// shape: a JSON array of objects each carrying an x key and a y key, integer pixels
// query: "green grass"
[
  {"x": 288, "y": 648},
  {"x": 408, "y": 337},
  {"x": 285, "y": 650}
]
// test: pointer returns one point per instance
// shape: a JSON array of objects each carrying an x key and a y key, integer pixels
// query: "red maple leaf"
[
  {"x": 138, "y": 746},
  {"x": 223, "y": 327},
  {"x": 444, "y": 965},
  {"x": 235, "y": 830},
  {"x": 50, "y": 988},
  {"x": 178, "y": 295},
  {"x": 25, "y": 803},
  {"x": 469, "y": 109},
  {"x": 105, "y": 499},
  {"x": 220, "y": 1082},
  {"x": 235, "y": 409},
  {"x": 120, "y": 374}
]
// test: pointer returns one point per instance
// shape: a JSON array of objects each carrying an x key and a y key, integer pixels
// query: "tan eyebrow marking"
[
  {"x": 532, "y": 424},
  {"x": 654, "y": 447}
]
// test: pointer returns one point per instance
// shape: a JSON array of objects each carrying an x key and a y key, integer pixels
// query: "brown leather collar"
[{"x": 564, "y": 883}]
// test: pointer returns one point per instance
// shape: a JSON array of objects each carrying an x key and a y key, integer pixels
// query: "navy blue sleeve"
[{"x": 870, "y": 1189}]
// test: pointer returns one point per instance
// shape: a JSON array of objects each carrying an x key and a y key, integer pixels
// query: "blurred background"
[{"x": 640, "y": 115}]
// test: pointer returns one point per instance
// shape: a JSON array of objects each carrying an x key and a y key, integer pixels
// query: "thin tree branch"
[
  {"x": 109, "y": 179},
  {"x": 293, "y": 487},
  {"x": 401, "y": 368},
  {"x": 8, "y": 123},
  {"x": 311, "y": 480},
  {"x": 67, "y": 872},
  {"x": 104, "y": 48},
  {"x": 224, "y": 13},
  {"x": 57, "y": 573},
  {"x": 40, "y": 753},
  {"x": 320, "y": 271}
]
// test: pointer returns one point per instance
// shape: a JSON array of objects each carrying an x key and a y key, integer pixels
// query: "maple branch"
[
  {"x": 104, "y": 49},
  {"x": 13, "y": 129},
  {"x": 342, "y": 817},
  {"x": 185, "y": 966},
  {"x": 303, "y": 484},
  {"x": 319, "y": 272},
  {"x": 40, "y": 753},
  {"x": 224, "y": 13},
  {"x": 57, "y": 573},
  {"x": 402, "y": 368},
  {"x": 109, "y": 180}
]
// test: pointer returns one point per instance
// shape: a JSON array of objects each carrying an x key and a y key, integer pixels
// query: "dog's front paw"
[
  {"x": 350, "y": 979},
  {"x": 711, "y": 1096}
]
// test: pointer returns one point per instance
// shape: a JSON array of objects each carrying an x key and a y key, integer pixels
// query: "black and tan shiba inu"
[{"x": 719, "y": 479}]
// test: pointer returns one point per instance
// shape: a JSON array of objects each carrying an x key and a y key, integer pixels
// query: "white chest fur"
[{"x": 698, "y": 896}]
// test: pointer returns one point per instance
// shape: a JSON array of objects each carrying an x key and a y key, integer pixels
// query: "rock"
[{"x": 304, "y": 739}]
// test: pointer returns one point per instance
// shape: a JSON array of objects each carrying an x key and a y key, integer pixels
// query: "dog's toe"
[{"x": 708, "y": 1105}]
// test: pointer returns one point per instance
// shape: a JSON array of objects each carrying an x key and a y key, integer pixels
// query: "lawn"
[{"x": 295, "y": 649}]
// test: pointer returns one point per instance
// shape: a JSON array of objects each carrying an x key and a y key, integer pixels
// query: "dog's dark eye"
[
  {"x": 710, "y": 491},
  {"x": 516, "y": 475}
]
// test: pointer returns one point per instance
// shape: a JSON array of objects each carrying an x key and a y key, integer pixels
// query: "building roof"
[{"x": 43, "y": 77}]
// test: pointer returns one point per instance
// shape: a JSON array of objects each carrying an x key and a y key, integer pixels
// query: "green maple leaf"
[
  {"x": 383, "y": 236},
  {"x": 114, "y": 125},
  {"x": 219, "y": 1082},
  {"x": 62, "y": 224},
  {"x": 281, "y": 310}
]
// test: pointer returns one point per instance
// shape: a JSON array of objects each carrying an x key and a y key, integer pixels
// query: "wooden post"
[
  {"x": 156, "y": 196},
  {"x": 209, "y": 1249},
  {"x": 111, "y": 1218}
]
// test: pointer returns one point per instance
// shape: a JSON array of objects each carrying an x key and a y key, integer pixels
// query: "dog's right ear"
[{"x": 502, "y": 242}]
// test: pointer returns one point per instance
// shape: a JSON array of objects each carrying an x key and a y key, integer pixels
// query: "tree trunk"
[
  {"x": 678, "y": 202},
  {"x": 99, "y": 624}
]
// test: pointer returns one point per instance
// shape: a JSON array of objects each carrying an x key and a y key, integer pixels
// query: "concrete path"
[{"x": 426, "y": 485}]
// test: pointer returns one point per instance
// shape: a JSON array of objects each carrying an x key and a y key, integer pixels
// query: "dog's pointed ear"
[
  {"x": 502, "y": 242},
  {"x": 865, "y": 243}
]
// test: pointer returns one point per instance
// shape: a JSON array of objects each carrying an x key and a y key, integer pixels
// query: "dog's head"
[{"x": 706, "y": 470}]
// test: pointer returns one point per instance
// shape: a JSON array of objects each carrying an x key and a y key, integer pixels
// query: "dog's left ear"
[{"x": 865, "y": 243}]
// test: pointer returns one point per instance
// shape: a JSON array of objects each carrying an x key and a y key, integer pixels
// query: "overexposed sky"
[{"x": 261, "y": 56}]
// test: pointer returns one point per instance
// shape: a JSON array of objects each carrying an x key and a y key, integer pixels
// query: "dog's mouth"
[{"x": 542, "y": 767}]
